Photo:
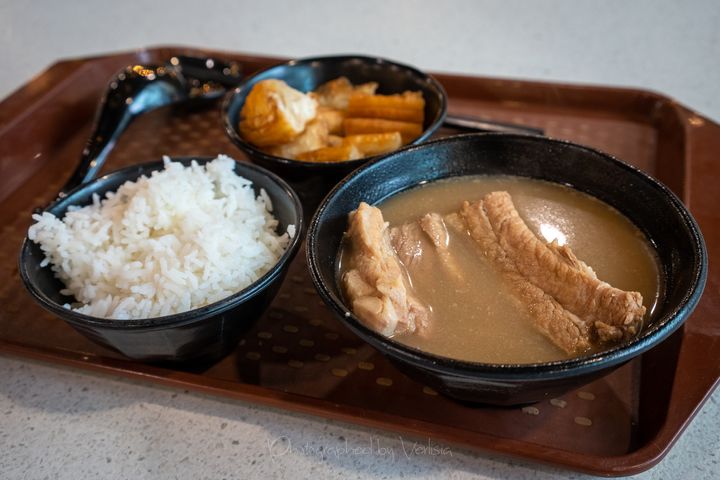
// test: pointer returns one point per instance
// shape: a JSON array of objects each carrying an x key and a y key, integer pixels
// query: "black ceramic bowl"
[
  {"x": 313, "y": 180},
  {"x": 201, "y": 334},
  {"x": 645, "y": 201}
]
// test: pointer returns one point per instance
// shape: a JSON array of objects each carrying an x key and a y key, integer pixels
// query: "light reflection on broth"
[{"x": 479, "y": 318}]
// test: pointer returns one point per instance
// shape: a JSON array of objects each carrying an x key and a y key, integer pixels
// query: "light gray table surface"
[{"x": 57, "y": 422}]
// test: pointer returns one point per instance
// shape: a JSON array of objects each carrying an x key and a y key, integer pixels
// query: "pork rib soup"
[{"x": 499, "y": 269}]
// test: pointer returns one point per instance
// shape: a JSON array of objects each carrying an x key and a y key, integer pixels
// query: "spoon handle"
[
  {"x": 111, "y": 121},
  {"x": 481, "y": 125}
]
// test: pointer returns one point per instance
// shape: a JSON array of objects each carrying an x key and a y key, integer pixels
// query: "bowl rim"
[
  {"x": 189, "y": 316},
  {"x": 232, "y": 132},
  {"x": 661, "y": 328}
]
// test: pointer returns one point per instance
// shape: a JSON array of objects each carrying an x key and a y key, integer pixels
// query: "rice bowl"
[{"x": 183, "y": 238}]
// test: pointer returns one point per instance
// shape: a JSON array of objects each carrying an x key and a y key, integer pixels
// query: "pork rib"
[
  {"x": 611, "y": 313},
  {"x": 375, "y": 284},
  {"x": 564, "y": 329},
  {"x": 428, "y": 236}
]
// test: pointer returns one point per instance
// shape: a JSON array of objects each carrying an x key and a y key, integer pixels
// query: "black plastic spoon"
[{"x": 185, "y": 80}]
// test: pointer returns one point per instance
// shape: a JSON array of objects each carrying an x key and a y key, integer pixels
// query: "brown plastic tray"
[{"x": 298, "y": 357}]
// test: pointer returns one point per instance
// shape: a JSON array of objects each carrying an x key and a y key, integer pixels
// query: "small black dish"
[
  {"x": 201, "y": 334},
  {"x": 645, "y": 201},
  {"x": 313, "y": 180}
]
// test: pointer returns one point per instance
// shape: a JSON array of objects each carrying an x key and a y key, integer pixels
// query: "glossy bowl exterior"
[
  {"x": 647, "y": 203},
  {"x": 201, "y": 334},
  {"x": 311, "y": 179}
]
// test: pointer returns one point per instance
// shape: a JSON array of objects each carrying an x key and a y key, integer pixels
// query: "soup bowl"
[
  {"x": 314, "y": 179},
  {"x": 200, "y": 334},
  {"x": 651, "y": 206}
]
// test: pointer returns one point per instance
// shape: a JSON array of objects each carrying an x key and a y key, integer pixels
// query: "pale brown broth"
[{"x": 479, "y": 319}]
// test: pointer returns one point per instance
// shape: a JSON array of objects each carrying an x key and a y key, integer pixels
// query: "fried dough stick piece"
[
  {"x": 406, "y": 107},
  {"x": 336, "y": 93},
  {"x": 375, "y": 285},
  {"x": 275, "y": 113},
  {"x": 611, "y": 313},
  {"x": 408, "y": 131},
  {"x": 564, "y": 329},
  {"x": 313, "y": 137},
  {"x": 332, "y": 118},
  {"x": 331, "y": 154},
  {"x": 408, "y": 100},
  {"x": 374, "y": 143}
]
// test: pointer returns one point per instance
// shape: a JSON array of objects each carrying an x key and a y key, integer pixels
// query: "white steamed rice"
[{"x": 181, "y": 239}]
